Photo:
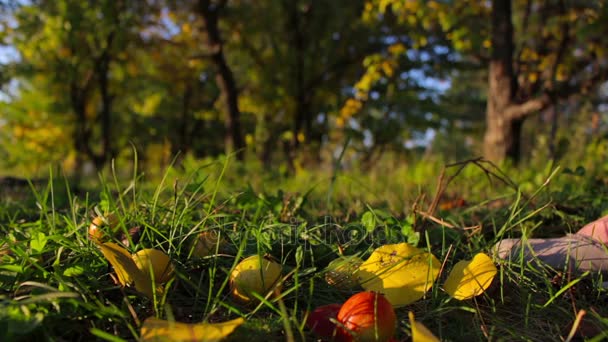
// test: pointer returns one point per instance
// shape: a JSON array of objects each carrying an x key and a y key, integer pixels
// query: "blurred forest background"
[{"x": 292, "y": 85}]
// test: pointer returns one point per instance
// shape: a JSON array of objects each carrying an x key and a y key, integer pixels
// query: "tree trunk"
[
  {"x": 553, "y": 132},
  {"x": 302, "y": 120},
  {"x": 183, "y": 141},
  {"x": 80, "y": 133},
  {"x": 301, "y": 113},
  {"x": 505, "y": 115},
  {"x": 102, "y": 69},
  {"x": 79, "y": 98},
  {"x": 224, "y": 77},
  {"x": 499, "y": 138}
]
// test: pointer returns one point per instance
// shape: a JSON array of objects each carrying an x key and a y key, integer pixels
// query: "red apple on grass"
[
  {"x": 366, "y": 316},
  {"x": 319, "y": 321}
]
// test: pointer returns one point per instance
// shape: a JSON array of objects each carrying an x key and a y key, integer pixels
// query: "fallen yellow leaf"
[
  {"x": 121, "y": 260},
  {"x": 155, "y": 264},
  {"x": 420, "y": 333},
  {"x": 155, "y": 329},
  {"x": 402, "y": 272},
  {"x": 470, "y": 278},
  {"x": 126, "y": 270}
]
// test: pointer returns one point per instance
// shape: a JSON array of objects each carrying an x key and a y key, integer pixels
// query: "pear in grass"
[{"x": 255, "y": 274}]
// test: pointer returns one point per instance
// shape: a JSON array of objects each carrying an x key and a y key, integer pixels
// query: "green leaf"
[
  {"x": 368, "y": 220},
  {"x": 38, "y": 242},
  {"x": 12, "y": 268},
  {"x": 105, "y": 336},
  {"x": 407, "y": 229},
  {"x": 73, "y": 271}
]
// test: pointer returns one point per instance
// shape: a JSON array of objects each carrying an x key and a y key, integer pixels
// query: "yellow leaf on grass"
[
  {"x": 126, "y": 270},
  {"x": 122, "y": 262},
  {"x": 470, "y": 278},
  {"x": 402, "y": 272},
  {"x": 155, "y": 329},
  {"x": 420, "y": 333}
]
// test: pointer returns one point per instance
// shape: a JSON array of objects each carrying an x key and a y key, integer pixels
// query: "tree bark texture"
[
  {"x": 102, "y": 68},
  {"x": 79, "y": 98},
  {"x": 224, "y": 77},
  {"x": 499, "y": 136},
  {"x": 504, "y": 113}
]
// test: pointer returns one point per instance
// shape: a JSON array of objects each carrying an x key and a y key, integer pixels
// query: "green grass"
[{"x": 56, "y": 285}]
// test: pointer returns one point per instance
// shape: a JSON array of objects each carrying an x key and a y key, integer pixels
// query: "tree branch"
[
  {"x": 212, "y": 51},
  {"x": 521, "y": 110}
]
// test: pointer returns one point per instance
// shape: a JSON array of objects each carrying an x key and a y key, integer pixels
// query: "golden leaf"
[
  {"x": 127, "y": 270},
  {"x": 155, "y": 329},
  {"x": 420, "y": 333},
  {"x": 122, "y": 262},
  {"x": 402, "y": 272},
  {"x": 470, "y": 278}
]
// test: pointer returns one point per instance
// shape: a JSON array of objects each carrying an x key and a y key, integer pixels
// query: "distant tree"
[
  {"x": 536, "y": 53},
  {"x": 396, "y": 102},
  {"x": 293, "y": 63},
  {"x": 558, "y": 54},
  {"x": 71, "y": 52},
  {"x": 210, "y": 12},
  {"x": 178, "y": 102}
]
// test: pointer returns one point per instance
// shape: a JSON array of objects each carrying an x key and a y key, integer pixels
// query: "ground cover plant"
[
  {"x": 67, "y": 270},
  {"x": 174, "y": 170}
]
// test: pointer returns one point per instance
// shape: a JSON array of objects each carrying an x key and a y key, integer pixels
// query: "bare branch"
[
  {"x": 212, "y": 50},
  {"x": 521, "y": 110}
]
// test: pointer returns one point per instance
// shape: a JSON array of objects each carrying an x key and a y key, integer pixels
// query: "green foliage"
[
  {"x": 52, "y": 273},
  {"x": 350, "y": 111},
  {"x": 92, "y": 81}
]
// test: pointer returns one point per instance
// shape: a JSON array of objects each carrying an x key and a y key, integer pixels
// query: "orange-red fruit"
[
  {"x": 367, "y": 316},
  {"x": 319, "y": 320}
]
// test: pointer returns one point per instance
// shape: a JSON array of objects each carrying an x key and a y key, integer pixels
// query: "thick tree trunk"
[
  {"x": 224, "y": 78},
  {"x": 505, "y": 115},
  {"x": 500, "y": 138}
]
